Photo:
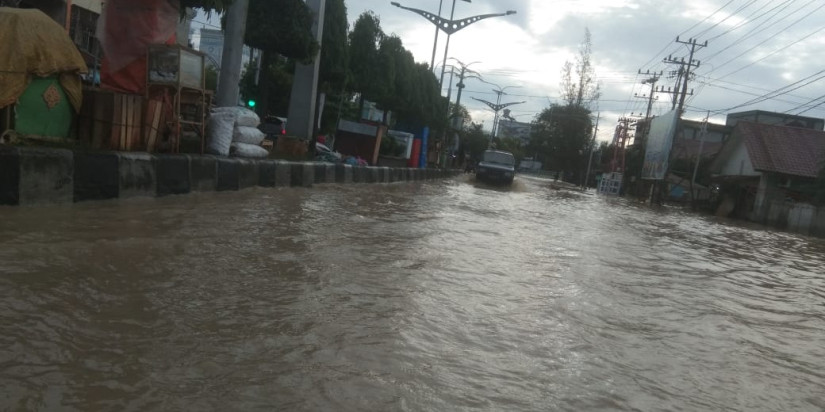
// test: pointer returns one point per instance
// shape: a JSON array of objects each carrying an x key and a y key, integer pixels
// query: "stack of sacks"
[{"x": 243, "y": 139}]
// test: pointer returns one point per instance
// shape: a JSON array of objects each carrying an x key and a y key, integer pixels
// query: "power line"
[
  {"x": 659, "y": 53},
  {"x": 748, "y": 35},
  {"x": 778, "y": 92},
  {"x": 784, "y": 48},
  {"x": 748, "y": 19},
  {"x": 810, "y": 104},
  {"x": 734, "y": 13}
]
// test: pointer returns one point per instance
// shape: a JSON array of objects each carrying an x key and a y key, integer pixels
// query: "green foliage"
[
  {"x": 272, "y": 97},
  {"x": 281, "y": 26},
  {"x": 334, "y": 72},
  {"x": 384, "y": 72},
  {"x": 364, "y": 40},
  {"x": 474, "y": 141},
  {"x": 562, "y": 137}
]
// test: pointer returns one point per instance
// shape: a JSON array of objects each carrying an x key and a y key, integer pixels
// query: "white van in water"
[{"x": 496, "y": 166}]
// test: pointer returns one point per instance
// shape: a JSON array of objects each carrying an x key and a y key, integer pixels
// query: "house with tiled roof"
[{"x": 765, "y": 163}]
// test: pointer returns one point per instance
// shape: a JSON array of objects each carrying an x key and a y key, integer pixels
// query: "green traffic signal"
[{"x": 250, "y": 103}]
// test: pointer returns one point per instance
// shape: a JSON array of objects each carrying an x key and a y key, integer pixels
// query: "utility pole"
[
  {"x": 698, "y": 159},
  {"x": 592, "y": 145},
  {"x": 230, "y": 75},
  {"x": 460, "y": 86},
  {"x": 619, "y": 143},
  {"x": 684, "y": 73},
  {"x": 652, "y": 80},
  {"x": 685, "y": 70}
]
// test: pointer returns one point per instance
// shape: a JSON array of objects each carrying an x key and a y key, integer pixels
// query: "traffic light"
[{"x": 250, "y": 103}]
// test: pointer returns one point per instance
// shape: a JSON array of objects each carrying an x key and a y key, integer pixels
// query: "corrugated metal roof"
[{"x": 781, "y": 149}]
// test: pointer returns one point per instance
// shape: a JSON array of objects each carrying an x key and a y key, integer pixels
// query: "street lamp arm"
[
  {"x": 446, "y": 25},
  {"x": 498, "y": 107},
  {"x": 456, "y": 25}
]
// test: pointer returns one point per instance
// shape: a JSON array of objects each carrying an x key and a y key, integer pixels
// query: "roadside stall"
[{"x": 40, "y": 68}]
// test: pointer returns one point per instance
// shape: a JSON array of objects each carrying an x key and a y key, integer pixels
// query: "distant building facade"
[
  {"x": 211, "y": 43},
  {"x": 775, "y": 119}
]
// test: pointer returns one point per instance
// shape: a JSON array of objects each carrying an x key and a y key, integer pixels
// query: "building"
[
  {"x": 773, "y": 118},
  {"x": 211, "y": 43},
  {"x": 764, "y": 166}
]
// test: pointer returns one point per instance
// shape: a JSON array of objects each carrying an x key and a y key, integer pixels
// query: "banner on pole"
[{"x": 659, "y": 143}]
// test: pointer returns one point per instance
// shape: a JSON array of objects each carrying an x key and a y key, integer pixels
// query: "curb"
[{"x": 39, "y": 176}]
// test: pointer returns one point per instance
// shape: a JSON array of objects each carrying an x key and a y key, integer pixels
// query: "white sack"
[
  {"x": 248, "y": 135},
  {"x": 248, "y": 150}
]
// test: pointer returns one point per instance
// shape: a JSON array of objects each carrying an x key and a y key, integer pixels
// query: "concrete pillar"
[
  {"x": 302, "y": 101},
  {"x": 230, "y": 74}
]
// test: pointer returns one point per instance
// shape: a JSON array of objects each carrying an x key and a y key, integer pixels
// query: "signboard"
[
  {"x": 659, "y": 142},
  {"x": 513, "y": 129},
  {"x": 212, "y": 44}
]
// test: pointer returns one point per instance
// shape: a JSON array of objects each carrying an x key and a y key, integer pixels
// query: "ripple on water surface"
[{"x": 443, "y": 296}]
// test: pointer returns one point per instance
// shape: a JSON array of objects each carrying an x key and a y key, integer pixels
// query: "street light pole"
[
  {"x": 450, "y": 26},
  {"x": 435, "y": 42},
  {"x": 446, "y": 48},
  {"x": 496, "y": 108},
  {"x": 498, "y": 91}
]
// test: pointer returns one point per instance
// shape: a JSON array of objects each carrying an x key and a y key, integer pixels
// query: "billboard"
[
  {"x": 659, "y": 142},
  {"x": 514, "y": 129},
  {"x": 211, "y": 43}
]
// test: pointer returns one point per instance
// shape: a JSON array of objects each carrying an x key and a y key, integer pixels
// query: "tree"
[
  {"x": 583, "y": 90},
  {"x": 279, "y": 27},
  {"x": 364, "y": 40},
  {"x": 474, "y": 141},
  {"x": 334, "y": 73},
  {"x": 562, "y": 136},
  {"x": 274, "y": 99}
]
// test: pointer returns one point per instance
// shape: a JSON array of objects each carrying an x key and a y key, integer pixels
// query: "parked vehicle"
[
  {"x": 496, "y": 166},
  {"x": 273, "y": 126}
]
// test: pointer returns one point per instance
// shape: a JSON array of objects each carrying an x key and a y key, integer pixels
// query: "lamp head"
[{"x": 509, "y": 12}]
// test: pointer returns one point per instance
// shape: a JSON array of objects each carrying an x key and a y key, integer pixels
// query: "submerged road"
[{"x": 416, "y": 297}]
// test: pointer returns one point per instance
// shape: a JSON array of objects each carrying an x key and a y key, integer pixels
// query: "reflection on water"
[{"x": 444, "y": 296}]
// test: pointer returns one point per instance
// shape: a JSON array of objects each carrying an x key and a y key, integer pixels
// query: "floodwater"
[{"x": 440, "y": 296}]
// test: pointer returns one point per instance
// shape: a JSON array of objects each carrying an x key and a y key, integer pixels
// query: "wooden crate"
[{"x": 126, "y": 123}]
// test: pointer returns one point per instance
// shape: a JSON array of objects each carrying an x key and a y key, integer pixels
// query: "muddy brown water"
[{"x": 414, "y": 297}]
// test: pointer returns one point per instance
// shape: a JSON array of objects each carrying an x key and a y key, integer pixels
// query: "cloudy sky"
[{"x": 755, "y": 47}]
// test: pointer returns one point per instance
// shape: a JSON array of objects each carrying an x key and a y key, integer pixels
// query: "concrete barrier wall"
[{"x": 34, "y": 176}]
